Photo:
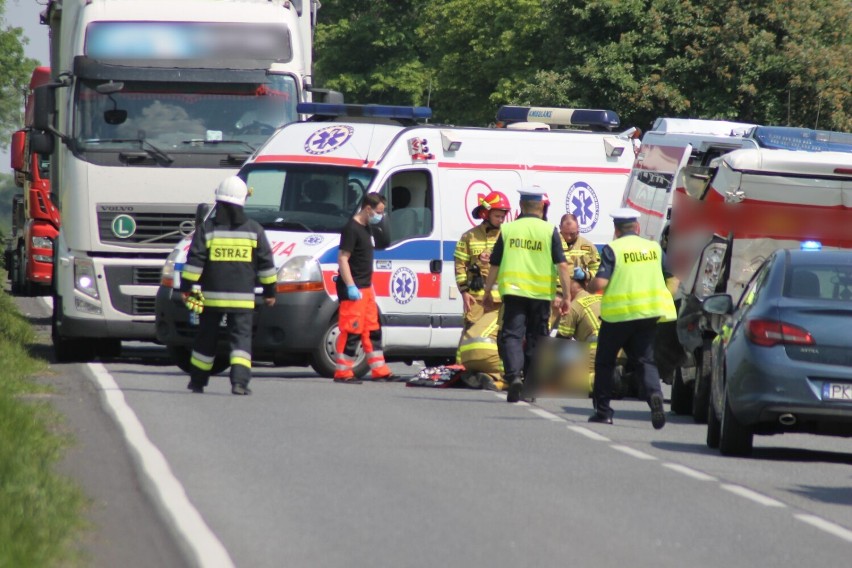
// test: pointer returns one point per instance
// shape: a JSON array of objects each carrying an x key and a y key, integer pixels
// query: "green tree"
[
  {"x": 764, "y": 61},
  {"x": 15, "y": 68}
]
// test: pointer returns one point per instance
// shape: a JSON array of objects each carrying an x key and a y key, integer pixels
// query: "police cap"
[
  {"x": 531, "y": 193},
  {"x": 624, "y": 215}
]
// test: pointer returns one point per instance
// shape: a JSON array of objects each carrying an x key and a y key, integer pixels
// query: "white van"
[{"x": 308, "y": 180}]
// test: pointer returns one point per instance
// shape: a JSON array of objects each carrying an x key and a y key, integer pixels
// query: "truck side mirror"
[
  {"x": 44, "y": 108},
  {"x": 326, "y": 96},
  {"x": 19, "y": 142},
  {"x": 42, "y": 142}
]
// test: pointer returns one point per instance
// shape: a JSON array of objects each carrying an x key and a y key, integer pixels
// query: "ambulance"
[
  {"x": 310, "y": 177},
  {"x": 783, "y": 188}
]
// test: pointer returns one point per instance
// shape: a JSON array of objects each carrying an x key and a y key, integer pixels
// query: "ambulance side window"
[{"x": 410, "y": 205}]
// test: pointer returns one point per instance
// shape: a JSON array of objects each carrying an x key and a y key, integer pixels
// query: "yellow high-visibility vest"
[{"x": 637, "y": 289}]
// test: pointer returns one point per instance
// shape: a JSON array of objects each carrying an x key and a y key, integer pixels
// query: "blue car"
[{"x": 782, "y": 359}]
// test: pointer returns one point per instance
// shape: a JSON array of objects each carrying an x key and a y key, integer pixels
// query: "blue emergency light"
[
  {"x": 802, "y": 139},
  {"x": 810, "y": 245},
  {"x": 371, "y": 111},
  {"x": 607, "y": 119}
]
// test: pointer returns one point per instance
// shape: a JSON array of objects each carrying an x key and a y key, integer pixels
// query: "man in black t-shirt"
[{"x": 358, "y": 317}]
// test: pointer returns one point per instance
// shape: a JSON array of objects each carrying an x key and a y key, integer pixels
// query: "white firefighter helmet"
[{"x": 232, "y": 190}]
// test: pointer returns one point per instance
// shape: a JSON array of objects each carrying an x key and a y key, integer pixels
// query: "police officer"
[
  {"x": 522, "y": 265},
  {"x": 228, "y": 255},
  {"x": 579, "y": 250},
  {"x": 634, "y": 298}
]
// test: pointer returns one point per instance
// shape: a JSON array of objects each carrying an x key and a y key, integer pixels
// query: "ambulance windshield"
[{"x": 309, "y": 198}]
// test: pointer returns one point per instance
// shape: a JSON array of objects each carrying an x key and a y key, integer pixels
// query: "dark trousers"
[
  {"x": 637, "y": 339},
  {"x": 524, "y": 321},
  {"x": 239, "y": 340}
]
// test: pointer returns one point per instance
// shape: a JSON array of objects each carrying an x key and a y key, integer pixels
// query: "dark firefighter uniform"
[{"x": 227, "y": 259}]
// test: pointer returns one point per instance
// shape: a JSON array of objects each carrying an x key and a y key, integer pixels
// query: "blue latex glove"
[
  {"x": 353, "y": 292},
  {"x": 579, "y": 273}
]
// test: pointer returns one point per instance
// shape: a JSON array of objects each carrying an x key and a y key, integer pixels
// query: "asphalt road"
[{"x": 306, "y": 472}]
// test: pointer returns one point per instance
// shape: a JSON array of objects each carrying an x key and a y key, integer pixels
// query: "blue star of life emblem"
[
  {"x": 403, "y": 285},
  {"x": 583, "y": 202},
  {"x": 327, "y": 139},
  {"x": 312, "y": 240}
]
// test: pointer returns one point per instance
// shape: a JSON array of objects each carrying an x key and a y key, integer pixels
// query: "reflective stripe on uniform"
[
  {"x": 267, "y": 276},
  {"x": 240, "y": 357},
  {"x": 229, "y": 300},
  {"x": 203, "y": 362},
  {"x": 191, "y": 273}
]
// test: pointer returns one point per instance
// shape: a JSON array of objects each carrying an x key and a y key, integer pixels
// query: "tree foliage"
[
  {"x": 763, "y": 61},
  {"x": 15, "y": 68}
]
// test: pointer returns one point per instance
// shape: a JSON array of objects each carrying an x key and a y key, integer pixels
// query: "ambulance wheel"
[
  {"x": 324, "y": 356},
  {"x": 180, "y": 356},
  {"x": 682, "y": 394}
]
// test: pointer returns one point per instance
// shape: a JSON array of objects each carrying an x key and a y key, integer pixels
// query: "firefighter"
[
  {"x": 472, "y": 255},
  {"x": 522, "y": 265},
  {"x": 583, "y": 320},
  {"x": 358, "y": 316},
  {"x": 228, "y": 255},
  {"x": 579, "y": 250},
  {"x": 635, "y": 296}
]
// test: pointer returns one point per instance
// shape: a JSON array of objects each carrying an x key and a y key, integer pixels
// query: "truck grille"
[
  {"x": 146, "y": 275},
  {"x": 143, "y": 306},
  {"x": 144, "y": 226}
]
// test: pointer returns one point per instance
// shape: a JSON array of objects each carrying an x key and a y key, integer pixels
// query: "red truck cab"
[{"x": 30, "y": 256}]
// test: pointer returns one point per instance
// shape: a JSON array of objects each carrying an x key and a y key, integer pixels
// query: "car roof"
[{"x": 819, "y": 257}]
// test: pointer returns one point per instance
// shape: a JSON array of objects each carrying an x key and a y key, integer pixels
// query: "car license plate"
[{"x": 837, "y": 391}]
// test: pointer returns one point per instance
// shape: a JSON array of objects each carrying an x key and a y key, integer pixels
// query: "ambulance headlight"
[
  {"x": 84, "y": 277},
  {"x": 710, "y": 270},
  {"x": 167, "y": 273},
  {"x": 300, "y": 274}
]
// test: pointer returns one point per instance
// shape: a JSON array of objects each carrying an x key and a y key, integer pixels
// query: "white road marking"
[
  {"x": 591, "y": 434},
  {"x": 546, "y": 415},
  {"x": 752, "y": 495},
  {"x": 826, "y": 526},
  {"x": 688, "y": 471},
  {"x": 632, "y": 452},
  {"x": 169, "y": 494}
]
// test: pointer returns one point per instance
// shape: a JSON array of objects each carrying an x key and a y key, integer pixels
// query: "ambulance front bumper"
[{"x": 293, "y": 326}]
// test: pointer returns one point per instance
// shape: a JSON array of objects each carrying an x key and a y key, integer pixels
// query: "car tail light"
[{"x": 772, "y": 332}]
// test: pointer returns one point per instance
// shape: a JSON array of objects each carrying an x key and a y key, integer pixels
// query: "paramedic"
[
  {"x": 634, "y": 298},
  {"x": 583, "y": 320},
  {"x": 473, "y": 252},
  {"x": 228, "y": 255},
  {"x": 522, "y": 265},
  {"x": 358, "y": 317},
  {"x": 579, "y": 250}
]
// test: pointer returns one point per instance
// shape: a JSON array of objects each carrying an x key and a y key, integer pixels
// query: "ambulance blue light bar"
[
  {"x": 802, "y": 139},
  {"x": 811, "y": 245},
  {"x": 371, "y": 111},
  {"x": 559, "y": 116}
]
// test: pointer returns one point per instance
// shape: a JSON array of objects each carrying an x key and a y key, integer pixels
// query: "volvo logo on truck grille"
[{"x": 123, "y": 226}]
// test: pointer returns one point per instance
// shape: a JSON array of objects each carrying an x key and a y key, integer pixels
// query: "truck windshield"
[
  {"x": 183, "y": 117},
  {"x": 308, "y": 198}
]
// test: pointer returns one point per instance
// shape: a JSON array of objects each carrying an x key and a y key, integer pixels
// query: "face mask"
[{"x": 376, "y": 218}]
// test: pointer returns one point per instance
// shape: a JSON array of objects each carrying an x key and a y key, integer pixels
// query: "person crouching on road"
[
  {"x": 228, "y": 255},
  {"x": 522, "y": 265},
  {"x": 635, "y": 297},
  {"x": 358, "y": 316}
]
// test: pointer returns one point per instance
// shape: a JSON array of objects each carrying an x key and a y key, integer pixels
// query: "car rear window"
[{"x": 820, "y": 282}]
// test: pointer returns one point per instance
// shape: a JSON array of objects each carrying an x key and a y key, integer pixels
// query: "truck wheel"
[
  {"x": 734, "y": 438},
  {"x": 180, "y": 356},
  {"x": 67, "y": 350},
  {"x": 681, "y": 394},
  {"x": 324, "y": 355},
  {"x": 24, "y": 288},
  {"x": 109, "y": 348},
  {"x": 14, "y": 271}
]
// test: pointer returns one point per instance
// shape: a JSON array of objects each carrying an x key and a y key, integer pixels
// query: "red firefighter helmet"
[{"x": 493, "y": 201}]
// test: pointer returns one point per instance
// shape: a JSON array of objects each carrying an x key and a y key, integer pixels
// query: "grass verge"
[{"x": 41, "y": 512}]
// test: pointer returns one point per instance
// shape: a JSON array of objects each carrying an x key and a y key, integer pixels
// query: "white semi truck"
[{"x": 152, "y": 103}]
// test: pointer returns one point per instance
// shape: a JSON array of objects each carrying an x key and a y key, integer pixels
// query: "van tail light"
[{"x": 767, "y": 333}]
